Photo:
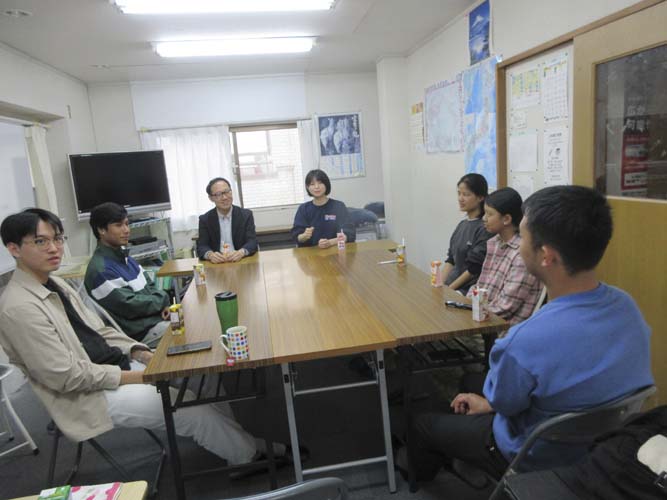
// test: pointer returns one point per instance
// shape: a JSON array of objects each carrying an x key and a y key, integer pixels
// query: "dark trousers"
[
  {"x": 473, "y": 382},
  {"x": 440, "y": 437}
]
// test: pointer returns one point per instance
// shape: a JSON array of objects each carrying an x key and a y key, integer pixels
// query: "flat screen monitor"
[{"x": 135, "y": 179}]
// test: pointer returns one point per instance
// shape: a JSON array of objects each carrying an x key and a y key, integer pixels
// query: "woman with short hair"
[{"x": 318, "y": 222}]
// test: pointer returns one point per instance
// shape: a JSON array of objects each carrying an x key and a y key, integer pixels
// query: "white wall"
[
  {"x": 195, "y": 103},
  {"x": 111, "y": 107},
  {"x": 332, "y": 93},
  {"x": 396, "y": 171},
  {"x": 115, "y": 127},
  {"x": 45, "y": 91},
  {"x": 428, "y": 182}
]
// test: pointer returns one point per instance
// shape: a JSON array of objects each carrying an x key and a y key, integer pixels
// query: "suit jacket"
[{"x": 243, "y": 231}]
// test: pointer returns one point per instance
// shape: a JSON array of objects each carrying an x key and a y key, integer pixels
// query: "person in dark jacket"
[{"x": 227, "y": 232}]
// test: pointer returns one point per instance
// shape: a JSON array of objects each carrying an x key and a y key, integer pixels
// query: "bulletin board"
[{"x": 538, "y": 120}]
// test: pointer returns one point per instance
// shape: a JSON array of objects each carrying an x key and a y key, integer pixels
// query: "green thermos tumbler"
[{"x": 228, "y": 309}]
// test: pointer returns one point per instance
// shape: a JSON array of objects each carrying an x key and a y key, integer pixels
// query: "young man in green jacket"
[{"x": 119, "y": 284}]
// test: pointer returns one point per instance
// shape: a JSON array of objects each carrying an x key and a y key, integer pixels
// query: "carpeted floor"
[{"x": 336, "y": 426}]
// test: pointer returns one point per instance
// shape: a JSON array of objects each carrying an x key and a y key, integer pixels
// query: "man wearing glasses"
[
  {"x": 227, "y": 232},
  {"x": 90, "y": 376}
]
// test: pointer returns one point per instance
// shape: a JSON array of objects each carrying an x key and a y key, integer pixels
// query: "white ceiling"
[{"x": 76, "y": 36}]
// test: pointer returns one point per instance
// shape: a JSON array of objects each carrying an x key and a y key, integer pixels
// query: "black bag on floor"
[{"x": 611, "y": 470}]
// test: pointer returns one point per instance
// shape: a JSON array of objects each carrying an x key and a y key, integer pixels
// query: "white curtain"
[
  {"x": 193, "y": 157},
  {"x": 40, "y": 169},
  {"x": 307, "y": 145}
]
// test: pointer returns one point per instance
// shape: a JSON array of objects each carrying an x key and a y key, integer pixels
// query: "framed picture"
[{"x": 340, "y": 145}]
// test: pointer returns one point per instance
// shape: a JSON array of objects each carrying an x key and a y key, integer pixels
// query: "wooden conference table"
[{"x": 307, "y": 303}]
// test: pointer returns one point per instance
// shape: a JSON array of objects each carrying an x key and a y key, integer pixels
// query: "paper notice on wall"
[
  {"x": 523, "y": 152},
  {"x": 556, "y": 156},
  {"x": 518, "y": 120},
  {"x": 417, "y": 127},
  {"x": 526, "y": 88},
  {"x": 523, "y": 184},
  {"x": 554, "y": 89}
]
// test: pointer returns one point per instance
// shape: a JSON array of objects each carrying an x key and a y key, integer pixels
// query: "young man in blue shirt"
[{"x": 588, "y": 345}]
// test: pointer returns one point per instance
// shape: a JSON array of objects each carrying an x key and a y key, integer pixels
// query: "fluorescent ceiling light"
[
  {"x": 248, "y": 46},
  {"x": 218, "y": 6}
]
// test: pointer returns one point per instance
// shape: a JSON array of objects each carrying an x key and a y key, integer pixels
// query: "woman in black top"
[{"x": 467, "y": 246}]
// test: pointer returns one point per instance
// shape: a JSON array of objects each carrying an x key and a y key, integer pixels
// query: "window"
[
  {"x": 631, "y": 128},
  {"x": 269, "y": 164}
]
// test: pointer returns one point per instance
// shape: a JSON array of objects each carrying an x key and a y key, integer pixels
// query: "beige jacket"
[{"x": 38, "y": 338}]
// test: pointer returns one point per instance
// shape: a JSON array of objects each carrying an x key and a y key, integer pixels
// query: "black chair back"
[{"x": 579, "y": 427}]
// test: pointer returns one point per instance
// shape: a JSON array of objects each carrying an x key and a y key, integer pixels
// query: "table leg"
[
  {"x": 177, "y": 288},
  {"x": 386, "y": 424},
  {"x": 174, "y": 457},
  {"x": 291, "y": 420}
]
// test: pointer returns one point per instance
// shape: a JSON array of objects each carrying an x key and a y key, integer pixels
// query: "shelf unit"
[{"x": 160, "y": 227}]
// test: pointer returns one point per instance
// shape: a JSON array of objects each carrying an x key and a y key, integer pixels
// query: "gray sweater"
[{"x": 467, "y": 250}]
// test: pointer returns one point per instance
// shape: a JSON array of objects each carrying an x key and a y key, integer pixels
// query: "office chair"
[
  {"x": 5, "y": 408},
  {"x": 579, "y": 427},
  {"x": 106, "y": 317},
  {"x": 122, "y": 472},
  {"x": 101, "y": 312},
  {"x": 326, "y": 488}
]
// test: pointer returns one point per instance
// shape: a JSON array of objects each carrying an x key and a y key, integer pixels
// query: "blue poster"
[
  {"x": 478, "y": 32},
  {"x": 479, "y": 120}
]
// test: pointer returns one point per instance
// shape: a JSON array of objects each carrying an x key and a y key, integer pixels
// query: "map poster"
[
  {"x": 479, "y": 120},
  {"x": 443, "y": 120}
]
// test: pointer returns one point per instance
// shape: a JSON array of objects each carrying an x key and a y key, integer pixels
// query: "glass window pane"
[
  {"x": 631, "y": 125},
  {"x": 252, "y": 141},
  {"x": 270, "y": 167}
]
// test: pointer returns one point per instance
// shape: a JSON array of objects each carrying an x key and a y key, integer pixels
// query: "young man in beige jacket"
[{"x": 87, "y": 375}]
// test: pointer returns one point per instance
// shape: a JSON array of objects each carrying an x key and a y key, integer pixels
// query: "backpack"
[{"x": 611, "y": 470}]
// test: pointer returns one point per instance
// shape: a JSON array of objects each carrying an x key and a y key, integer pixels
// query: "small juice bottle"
[
  {"x": 199, "y": 274},
  {"x": 340, "y": 238},
  {"x": 436, "y": 273},
  {"x": 400, "y": 253},
  {"x": 176, "y": 318}
]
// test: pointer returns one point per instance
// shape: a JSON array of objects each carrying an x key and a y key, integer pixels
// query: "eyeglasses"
[
  {"x": 45, "y": 243},
  {"x": 221, "y": 194}
]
